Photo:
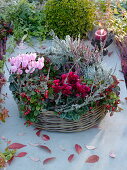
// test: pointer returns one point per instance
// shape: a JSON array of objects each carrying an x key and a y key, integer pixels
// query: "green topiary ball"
[{"x": 70, "y": 17}]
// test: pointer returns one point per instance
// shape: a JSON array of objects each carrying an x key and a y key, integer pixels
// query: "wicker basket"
[{"x": 51, "y": 122}]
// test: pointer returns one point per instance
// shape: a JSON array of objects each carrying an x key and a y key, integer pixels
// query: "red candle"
[{"x": 100, "y": 34}]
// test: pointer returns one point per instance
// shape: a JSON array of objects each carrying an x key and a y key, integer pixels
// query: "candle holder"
[{"x": 101, "y": 45}]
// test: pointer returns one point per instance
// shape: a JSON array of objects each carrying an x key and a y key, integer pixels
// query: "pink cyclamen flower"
[
  {"x": 33, "y": 56},
  {"x": 13, "y": 69},
  {"x": 24, "y": 63},
  {"x": 19, "y": 71}
]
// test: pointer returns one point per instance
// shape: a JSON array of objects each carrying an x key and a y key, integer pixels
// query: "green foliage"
[
  {"x": 1, "y": 66},
  {"x": 70, "y": 17},
  {"x": 113, "y": 17},
  {"x": 27, "y": 19}
]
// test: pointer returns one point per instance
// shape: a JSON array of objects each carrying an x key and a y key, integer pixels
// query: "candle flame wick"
[{"x": 102, "y": 31}]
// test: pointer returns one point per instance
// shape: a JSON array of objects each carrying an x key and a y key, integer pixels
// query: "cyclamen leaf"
[
  {"x": 22, "y": 154},
  {"x": 78, "y": 148},
  {"x": 48, "y": 160},
  {"x": 45, "y": 137},
  {"x": 16, "y": 146},
  {"x": 90, "y": 147},
  {"x": 112, "y": 155},
  {"x": 38, "y": 133},
  {"x": 45, "y": 148},
  {"x": 92, "y": 159},
  {"x": 70, "y": 158}
]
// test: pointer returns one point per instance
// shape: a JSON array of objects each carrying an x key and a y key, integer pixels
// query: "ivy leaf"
[
  {"x": 16, "y": 146},
  {"x": 92, "y": 159},
  {"x": 48, "y": 160},
  {"x": 45, "y": 148},
  {"x": 45, "y": 137},
  {"x": 22, "y": 154},
  {"x": 71, "y": 157},
  {"x": 78, "y": 148}
]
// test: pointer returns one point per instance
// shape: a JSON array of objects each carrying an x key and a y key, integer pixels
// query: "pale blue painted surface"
[{"x": 110, "y": 137}]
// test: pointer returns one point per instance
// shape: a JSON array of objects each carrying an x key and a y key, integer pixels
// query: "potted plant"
[{"x": 66, "y": 89}]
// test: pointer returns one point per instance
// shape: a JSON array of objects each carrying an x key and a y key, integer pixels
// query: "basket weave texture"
[{"x": 51, "y": 122}]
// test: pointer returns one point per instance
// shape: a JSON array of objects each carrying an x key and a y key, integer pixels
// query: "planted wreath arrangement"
[{"x": 66, "y": 89}]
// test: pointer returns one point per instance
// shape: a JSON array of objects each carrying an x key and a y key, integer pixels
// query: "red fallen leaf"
[
  {"x": 45, "y": 137},
  {"x": 45, "y": 148},
  {"x": 38, "y": 133},
  {"x": 70, "y": 158},
  {"x": 110, "y": 53},
  {"x": 78, "y": 148},
  {"x": 22, "y": 154},
  {"x": 48, "y": 160},
  {"x": 125, "y": 98},
  {"x": 92, "y": 159},
  {"x": 37, "y": 129},
  {"x": 10, "y": 161},
  {"x": 16, "y": 146}
]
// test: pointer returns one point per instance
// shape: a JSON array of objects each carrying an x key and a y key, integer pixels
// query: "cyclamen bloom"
[
  {"x": 70, "y": 84},
  {"x": 26, "y": 63}
]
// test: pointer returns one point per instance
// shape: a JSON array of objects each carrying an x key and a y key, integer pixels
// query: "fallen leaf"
[
  {"x": 71, "y": 157},
  {"x": 16, "y": 146},
  {"x": 45, "y": 148},
  {"x": 90, "y": 147},
  {"x": 119, "y": 109},
  {"x": 8, "y": 142},
  {"x": 37, "y": 129},
  {"x": 45, "y": 137},
  {"x": 92, "y": 159},
  {"x": 121, "y": 80},
  {"x": 10, "y": 161},
  {"x": 34, "y": 159},
  {"x": 48, "y": 160},
  {"x": 38, "y": 133},
  {"x": 3, "y": 138},
  {"x": 78, "y": 148},
  {"x": 112, "y": 155},
  {"x": 125, "y": 98},
  {"x": 110, "y": 53},
  {"x": 21, "y": 154},
  {"x": 34, "y": 144}
]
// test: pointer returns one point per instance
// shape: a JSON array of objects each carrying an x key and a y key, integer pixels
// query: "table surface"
[{"x": 109, "y": 136}]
